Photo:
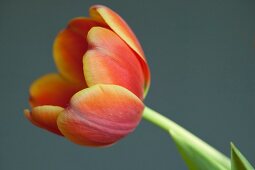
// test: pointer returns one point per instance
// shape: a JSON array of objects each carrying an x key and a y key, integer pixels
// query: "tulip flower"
[{"x": 96, "y": 98}]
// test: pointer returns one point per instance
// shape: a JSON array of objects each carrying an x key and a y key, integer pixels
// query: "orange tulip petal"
[
  {"x": 70, "y": 46},
  {"x": 120, "y": 27},
  {"x": 111, "y": 61},
  {"x": 45, "y": 117},
  {"x": 52, "y": 89},
  {"x": 100, "y": 115}
]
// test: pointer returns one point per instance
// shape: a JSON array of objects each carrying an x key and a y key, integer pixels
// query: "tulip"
[{"x": 96, "y": 98}]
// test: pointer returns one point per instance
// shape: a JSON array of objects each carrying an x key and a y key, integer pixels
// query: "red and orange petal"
[
  {"x": 100, "y": 115},
  {"x": 45, "y": 117},
  {"x": 120, "y": 27},
  {"x": 70, "y": 46},
  {"x": 110, "y": 61},
  {"x": 52, "y": 89}
]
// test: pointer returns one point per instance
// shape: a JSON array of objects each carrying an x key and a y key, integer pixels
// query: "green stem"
[
  {"x": 159, "y": 120},
  {"x": 202, "y": 149}
]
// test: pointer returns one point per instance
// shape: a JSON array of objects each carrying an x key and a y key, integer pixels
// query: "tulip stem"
[
  {"x": 193, "y": 141},
  {"x": 160, "y": 120}
]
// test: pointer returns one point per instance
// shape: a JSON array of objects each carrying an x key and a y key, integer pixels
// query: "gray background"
[{"x": 201, "y": 56}]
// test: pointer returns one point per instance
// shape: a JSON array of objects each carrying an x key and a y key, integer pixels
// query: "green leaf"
[
  {"x": 197, "y": 154},
  {"x": 238, "y": 161}
]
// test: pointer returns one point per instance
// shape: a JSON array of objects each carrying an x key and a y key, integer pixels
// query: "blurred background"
[{"x": 201, "y": 55}]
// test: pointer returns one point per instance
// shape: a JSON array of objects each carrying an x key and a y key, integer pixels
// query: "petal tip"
[{"x": 27, "y": 114}]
